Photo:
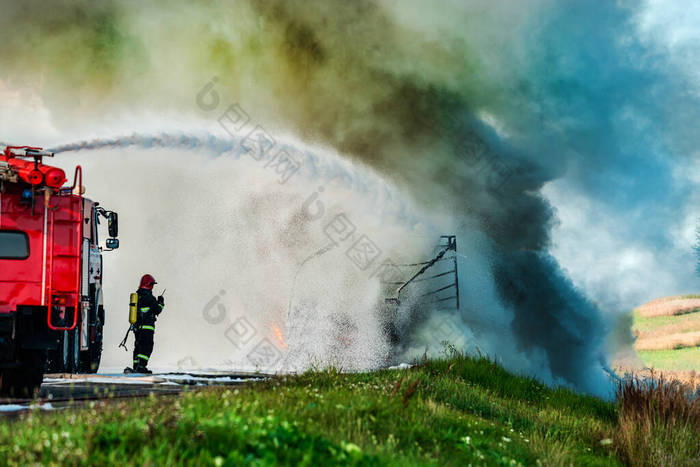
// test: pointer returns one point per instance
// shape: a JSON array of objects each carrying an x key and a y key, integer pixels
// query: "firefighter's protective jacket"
[{"x": 149, "y": 308}]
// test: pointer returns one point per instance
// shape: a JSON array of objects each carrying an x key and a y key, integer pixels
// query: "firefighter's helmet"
[{"x": 147, "y": 282}]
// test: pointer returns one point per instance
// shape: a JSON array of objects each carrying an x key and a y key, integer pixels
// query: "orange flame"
[{"x": 278, "y": 334}]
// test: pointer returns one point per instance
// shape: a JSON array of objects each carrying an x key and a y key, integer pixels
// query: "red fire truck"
[{"x": 51, "y": 304}]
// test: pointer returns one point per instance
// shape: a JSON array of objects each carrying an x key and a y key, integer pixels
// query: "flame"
[{"x": 278, "y": 334}]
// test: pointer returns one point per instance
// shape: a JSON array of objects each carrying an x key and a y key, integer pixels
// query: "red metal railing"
[{"x": 77, "y": 182}]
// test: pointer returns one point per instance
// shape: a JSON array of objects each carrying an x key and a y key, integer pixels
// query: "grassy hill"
[
  {"x": 457, "y": 411},
  {"x": 668, "y": 333}
]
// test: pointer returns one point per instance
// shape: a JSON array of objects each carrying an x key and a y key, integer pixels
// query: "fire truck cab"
[{"x": 51, "y": 302}]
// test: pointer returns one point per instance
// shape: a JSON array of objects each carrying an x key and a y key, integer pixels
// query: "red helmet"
[{"x": 147, "y": 282}]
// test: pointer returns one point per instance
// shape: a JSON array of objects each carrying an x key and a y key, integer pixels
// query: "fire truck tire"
[
  {"x": 25, "y": 380},
  {"x": 65, "y": 352},
  {"x": 74, "y": 350},
  {"x": 90, "y": 359},
  {"x": 56, "y": 362}
]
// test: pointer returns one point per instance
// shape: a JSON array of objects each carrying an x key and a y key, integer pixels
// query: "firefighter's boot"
[
  {"x": 140, "y": 367},
  {"x": 140, "y": 363}
]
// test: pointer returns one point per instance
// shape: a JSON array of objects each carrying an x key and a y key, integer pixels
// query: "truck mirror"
[
  {"x": 112, "y": 243},
  {"x": 113, "y": 224}
]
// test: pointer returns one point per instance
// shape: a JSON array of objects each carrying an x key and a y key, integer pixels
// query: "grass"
[
  {"x": 656, "y": 324},
  {"x": 668, "y": 342},
  {"x": 670, "y": 306},
  {"x": 659, "y": 423},
  {"x": 687, "y": 359},
  {"x": 456, "y": 411},
  {"x": 679, "y": 340},
  {"x": 676, "y": 297}
]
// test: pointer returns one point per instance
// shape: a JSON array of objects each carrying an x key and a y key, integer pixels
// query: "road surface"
[{"x": 60, "y": 391}]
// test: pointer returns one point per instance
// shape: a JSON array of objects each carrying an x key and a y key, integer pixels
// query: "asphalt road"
[{"x": 60, "y": 391}]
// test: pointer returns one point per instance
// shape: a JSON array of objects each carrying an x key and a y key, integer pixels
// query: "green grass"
[
  {"x": 685, "y": 359},
  {"x": 642, "y": 323},
  {"x": 676, "y": 360},
  {"x": 457, "y": 411},
  {"x": 446, "y": 412}
]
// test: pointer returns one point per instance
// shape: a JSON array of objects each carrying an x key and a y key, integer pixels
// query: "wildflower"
[{"x": 352, "y": 448}]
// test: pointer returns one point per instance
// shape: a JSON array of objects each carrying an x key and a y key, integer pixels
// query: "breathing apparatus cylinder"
[{"x": 133, "y": 307}]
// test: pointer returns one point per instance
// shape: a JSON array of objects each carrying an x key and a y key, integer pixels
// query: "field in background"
[
  {"x": 670, "y": 306},
  {"x": 685, "y": 360},
  {"x": 668, "y": 335}
]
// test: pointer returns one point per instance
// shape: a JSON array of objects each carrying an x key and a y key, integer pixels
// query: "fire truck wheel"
[
  {"x": 25, "y": 380},
  {"x": 56, "y": 362},
  {"x": 74, "y": 350},
  {"x": 90, "y": 359}
]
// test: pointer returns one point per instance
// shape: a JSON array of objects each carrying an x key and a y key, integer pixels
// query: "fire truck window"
[{"x": 13, "y": 245}]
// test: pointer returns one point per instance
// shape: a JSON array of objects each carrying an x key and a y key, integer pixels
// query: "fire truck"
[{"x": 51, "y": 302}]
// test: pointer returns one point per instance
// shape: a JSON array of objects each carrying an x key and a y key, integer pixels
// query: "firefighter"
[{"x": 149, "y": 307}]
